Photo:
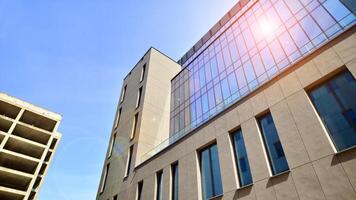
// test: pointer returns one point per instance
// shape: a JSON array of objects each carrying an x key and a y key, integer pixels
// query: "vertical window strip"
[
  {"x": 134, "y": 126},
  {"x": 241, "y": 159},
  {"x": 106, "y": 173},
  {"x": 112, "y": 144},
  {"x": 117, "y": 120},
  {"x": 159, "y": 176},
  {"x": 175, "y": 181},
  {"x": 139, "y": 190},
  {"x": 129, "y": 160},
  {"x": 123, "y": 94},
  {"x": 276, "y": 157},
  {"x": 143, "y": 71},
  {"x": 138, "y": 102}
]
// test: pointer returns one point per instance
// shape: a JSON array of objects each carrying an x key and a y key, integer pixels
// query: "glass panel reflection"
[{"x": 335, "y": 103}]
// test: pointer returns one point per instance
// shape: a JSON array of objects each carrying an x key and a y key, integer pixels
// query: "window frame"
[
  {"x": 326, "y": 82},
  {"x": 159, "y": 185},
  {"x": 139, "y": 97},
  {"x": 175, "y": 179},
  {"x": 118, "y": 117},
  {"x": 105, "y": 177},
  {"x": 134, "y": 126},
  {"x": 272, "y": 170},
  {"x": 143, "y": 71},
  {"x": 129, "y": 161},
  {"x": 234, "y": 149},
  {"x": 139, "y": 190},
  {"x": 123, "y": 94},
  {"x": 112, "y": 144},
  {"x": 208, "y": 148}
]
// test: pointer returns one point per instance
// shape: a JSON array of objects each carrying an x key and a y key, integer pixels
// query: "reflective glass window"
[
  {"x": 335, "y": 102},
  {"x": 275, "y": 153},
  {"x": 323, "y": 18},
  {"x": 310, "y": 27},
  {"x": 232, "y": 83},
  {"x": 234, "y": 51},
  {"x": 210, "y": 172},
  {"x": 241, "y": 159},
  {"x": 298, "y": 35}
]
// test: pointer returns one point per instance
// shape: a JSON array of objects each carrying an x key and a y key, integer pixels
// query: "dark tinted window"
[
  {"x": 275, "y": 153},
  {"x": 335, "y": 102},
  {"x": 242, "y": 165},
  {"x": 210, "y": 172},
  {"x": 175, "y": 181},
  {"x": 159, "y": 186}
]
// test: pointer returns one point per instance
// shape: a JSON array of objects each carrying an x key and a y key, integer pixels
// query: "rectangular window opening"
[
  {"x": 106, "y": 173},
  {"x": 159, "y": 176},
  {"x": 112, "y": 145},
  {"x": 123, "y": 94},
  {"x": 139, "y": 190},
  {"x": 134, "y": 126},
  {"x": 241, "y": 159},
  {"x": 143, "y": 71},
  {"x": 210, "y": 172},
  {"x": 138, "y": 102},
  {"x": 129, "y": 160},
  {"x": 277, "y": 160},
  {"x": 175, "y": 181},
  {"x": 117, "y": 119},
  {"x": 334, "y": 101}
]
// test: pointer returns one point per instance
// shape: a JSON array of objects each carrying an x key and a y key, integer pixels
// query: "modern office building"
[
  {"x": 263, "y": 107},
  {"x": 28, "y": 141}
]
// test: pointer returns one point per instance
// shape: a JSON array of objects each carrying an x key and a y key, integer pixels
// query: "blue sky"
[{"x": 70, "y": 56}]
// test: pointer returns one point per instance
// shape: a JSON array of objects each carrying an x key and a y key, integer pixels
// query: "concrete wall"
[
  {"x": 153, "y": 120},
  {"x": 316, "y": 171}
]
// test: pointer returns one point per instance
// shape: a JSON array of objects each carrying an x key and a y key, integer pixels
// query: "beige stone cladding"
[
  {"x": 141, "y": 126},
  {"x": 317, "y": 171},
  {"x": 28, "y": 141}
]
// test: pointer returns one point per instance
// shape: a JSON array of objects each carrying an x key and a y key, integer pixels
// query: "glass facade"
[
  {"x": 272, "y": 144},
  {"x": 175, "y": 181},
  {"x": 248, "y": 51},
  {"x": 335, "y": 101},
  {"x": 241, "y": 159},
  {"x": 210, "y": 172}
]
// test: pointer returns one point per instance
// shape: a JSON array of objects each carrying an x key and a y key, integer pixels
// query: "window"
[
  {"x": 335, "y": 102},
  {"x": 159, "y": 185},
  {"x": 241, "y": 159},
  {"x": 175, "y": 181},
  {"x": 210, "y": 172},
  {"x": 275, "y": 153},
  {"x": 139, "y": 190},
  {"x": 139, "y": 97},
  {"x": 103, "y": 183},
  {"x": 143, "y": 71},
  {"x": 115, "y": 197},
  {"x": 128, "y": 162},
  {"x": 117, "y": 120},
  {"x": 350, "y": 4},
  {"x": 123, "y": 94},
  {"x": 112, "y": 144},
  {"x": 134, "y": 125}
]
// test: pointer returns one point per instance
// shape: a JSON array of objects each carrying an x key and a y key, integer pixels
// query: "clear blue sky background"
[{"x": 70, "y": 56}]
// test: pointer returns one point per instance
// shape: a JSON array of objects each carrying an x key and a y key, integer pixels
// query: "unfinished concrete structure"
[
  {"x": 263, "y": 108},
  {"x": 28, "y": 141}
]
